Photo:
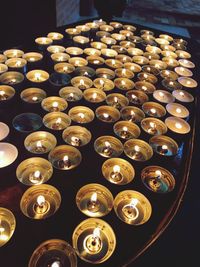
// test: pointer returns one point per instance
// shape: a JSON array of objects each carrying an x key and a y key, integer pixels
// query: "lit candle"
[
  {"x": 130, "y": 210},
  {"x": 107, "y": 150},
  {"x": 7, "y": 225},
  {"x": 36, "y": 177},
  {"x": 93, "y": 204},
  {"x": 116, "y": 175},
  {"x": 57, "y": 124},
  {"x": 93, "y": 243},
  {"x": 41, "y": 206},
  {"x": 64, "y": 163}
]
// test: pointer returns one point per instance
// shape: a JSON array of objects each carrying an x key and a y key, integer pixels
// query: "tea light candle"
[
  {"x": 33, "y": 95},
  {"x": 108, "y": 52},
  {"x": 34, "y": 171},
  {"x": 168, "y": 48},
  {"x": 129, "y": 27},
  {"x": 43, "y": 41},
  {"x": 105, "y": 73},
  {"x": 78, "y": 61},
  {"x": 183, "y": 54},
  {"x": 153, "y": 126},
  {"x": 71, "y": 94},
  {"x": 163, "y": 96},
  {"x": 183, "y": 71},
  {"x": 151, "y": 69},
  {"x": 81, "y": 114},
  {"x": 117, "y": 100},
  {"x": 71, "y": 32},
  {"x": 95, "y": 61},
  {"x": 74, "y": 51},
  {"x": 126, "y": 130},
  {"x": 104, "y": 84},
  {"x": 186, "y": 63},
  {"x": 177, "y": 110},
  {"x": 8, "y": 154},
  {"x": 138, "y": 150},
  {"x": 84, "y": 29},
  {"x": 180, "y": 41},
  {"x": 81, "y": 82},
  {"x": 183, "y": 96},
  {"x": 151, "y": 56},
  {"x": 137, "y": 97},
  {"x": 187, "y": 82},
  {"x": 132, "y": 114},
  {"x": 135, "y": 51},
  {"x": 119, "y": 49},
  {"x": 170, "y": 54},
  {"x": 55, "y": 49},
  {"x": 118, "y": 171},
  {"x": 113, "y": 63},
  {"x": 164, "y": 145},
  {"x": 40, "y": 142},
  {"x": 169, "y": 74},
  {"x": 4, "y": 131},
  {"x": 154, "y": 109},
  {"x": 126, "y": 33},
  {"x": 33, "y": 57},
  {"x": 162, "y": 41},
  {"x": 101, "y": 34},
  {"x": 146, "y": 87},
  {"x": 7, "y": 225},
  {"x": 179, "y": 46},
  {"x": 118, "y": 36},
  {"x": 108, "y": 40},
  {"x": 94, "y": 95},
  {"x": 94, "y": 200},
  {"x": 3, "y": 68},
  {"x": 177, "y": 125},
  {"x": 64, "y": 68},
  {"x": 55, "y": 36},
  {"x": 56, "y": 120},
  {"x": 12, "y": 53},
  {"x": 94, "y": 240},
  {"x": 108, "y": 146},
  {"x": 11, "y": 78},
  {"x": 124, "y": 73},
  {"x": 37, "y": 76},
  {"x": 54, "y": 103},
  {"x": 56, "y": 252},
  {"x": 60, "y": 57},
  {"x": 40, "y": 202},
  {"x": 65, "y": 157},
  {"x": 3, "y": 58},
  {"x": 6, "y": 92},
  {"x": 135, "y": 39},
  {"x": 107, "y": 114},
  {"x": 158, "y": 179},
  {"x": 133, "y": 67},
  {"x": 132, "y": 207},
  {"x": 127, "y": 44},
  {"x": 124, "y": 83},
  {"x": 148, "y": 77},
  {"x": 116, "y": 25},
  {"x": 153, "y": 49},
  {"x": 171, "y": 84},
  {"x": 85, "y": 71},
  {"x": 171, "y": 62},
  {"x": 141, "y": 60},
  {"x": 158, "y": 64},
  {"x": 92, "y": 52},
  {"x": 106, "y": 28},
  {"x": 16, "y": 63},
  {"x": 98, "y": 45},
  {"x": 76, "y": 136},
  {"x": 81, "y": 40}
]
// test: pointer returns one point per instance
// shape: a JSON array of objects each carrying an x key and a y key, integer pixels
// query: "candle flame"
[
  {"x": 18, "y": 63},
  {"x": 116, "y": 168},
  {"x": 82, "y": 82},
  {"x": 123, "y": 83},
  {"x": 55, "y": 264},
  {"x": 106, "y": 115},
  {"x": 153, "y": 110},
  {"x": 158, "y": 173},
  {"x": 137, "y": 148},
  {"x": 94, "y": 197},
  {"x": 81, "y": 115},
  {"x": 178, "y": 110},
  {"x": 134, "y": 202},
  {"x": 58, "y": 120},
  {"x": 164, "y": 147},
  {"x": 113, "y": 62},
  {"x": 40, "y": 200},
  {"x": 37, "y": 75},
  {"x": 55, "y": 104},
  {"x": 182, "y": 94},
  {"x": 34, "y": 98},
  {"x": 39, "y": 144},
  {"x": 77, "y": 62},
  {"x": 115, "y": 99},
  {"x": 37, "y": 174},
  {"x": 124, "y": 72},
  {"x": 2, "y": 93},
  {"x": 152, "y": 124},
  {"x": 86, "y": 73},
  {"x": 101, "y": 82},
  {"x": 94, "y": 95},
  {"x": 144, "y": 88},
  {"x": 65, "y": 158},
  {"x": 96, "y": 61},
  {"x": 107, "y": 144},
  {"x": 125, "y": 129},
  {"x": 96, "y": 232},
  {"x": 161, "y": 94},
  {"x": 178, "y": 125}
]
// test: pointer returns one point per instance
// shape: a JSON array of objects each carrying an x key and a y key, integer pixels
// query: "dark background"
[{"x": 179, "y": 244}]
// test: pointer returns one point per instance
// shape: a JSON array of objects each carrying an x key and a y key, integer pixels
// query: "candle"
[
  {"x": 168, "y": 47},
  {"x": 144, "y": 86},
  {"x": 163, "y": 145},
  {"x": 132, "y": 51},
  {"x": 54, "y": 103},
  {"x": 3, "y": 58},
  {"x": 3, "y": 68},
  {"x": 124, "y": 83},
  {"x": 33, "y": 95},
  {"x": 37, "y": 76},
  {"x": 177, "y": 110},
  {"x": 132, "y": 114},
  {"x": 183, "y": 96},
  {"x": 82, "y": 82},
  {"x": 129, "y": 27},
  {"x": 12, "y": 53},
  {"x": 40, "y": 202},
  {"x": 108, "y": 40},
  {"x": 154, "y": 109},
  {"x": 182, "y": 71},
  {"x": 153, "y": 49},
  {"x": 94, "y": 200},
  {"x": 33, "y": 57},
  {"x": 81, "y": 114},
  {"x": 94, "y": 95},
  {"x": 4, "y": 131},
  {"x": 126, "y": 130},
  {"x": 108, "y": 52},
  {"x": 55, "y": 36},
  {"x": 7, "y": 225},
  {"x": 117, "y": 100},
  {"x": 138, "y": 150},
  {"x": 124, "y": 73},
  {"x": 183, "y": 54},
  {"x": 137, "y": 97},
  {"x": 56, "y": 120},
  {"x": 107, "y": 114},
  {"x": 78, "y": 61},
  {"x": 106, "y": 28},
  {"x": 158, "y": 179},
  {"x": 158, "y": 64},
  {"x": 187, "y": 82},
  {"x": 186, "y": 63},
  {"x": 40, "y": 142},
  {"x": 153, "y": 126},
  {"x": 166, "y": 37},
  {"x": 65, "y": 157},
  {"x": 177, "y": 125},
  {"x": 94, "y": 240},
  {"x": 162, "y": 41},
  {"x": 64, "y": 68},
  {"x": 113, "y": 63},
  {"x": 141, "y": 60},
  {"x": 76, "y": 136},
  {"x": 163, "y": 96},
  {"x": 98, "y": 45},
  {"x": 6, "y": 92},
  {"x": 132, "y": 207},
  {"x": 171, "y": 84},
  {"x": 11, "y": 78},
  {"x": 105, "y": 73},
  {"x": 8, "y": 154},
  {"x": 55, "y": 251},
  {"x": 108, "y": 146},
  {"x": 92, "y": 52},
  {"x": 169, "y": 74},
  {"x": 148, "y": 77},
  {"x": 95, "y": 61},
  {"x": 171, "y": 62},
  {"x": 104, "y": 84},
  {"x": 127, "y": 44},
  {"x": 81, "y": 40},
  {"x": 43, "y": 41},
  {"x": 55, "y": 49},
  {"x": 71, "y": 94},
  {"x": 60, "y": 57},
  {"x": 34, "y": 171},
  {"x": 74, "y": 51}
]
